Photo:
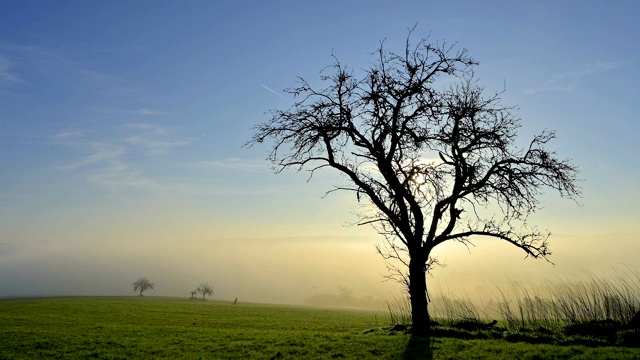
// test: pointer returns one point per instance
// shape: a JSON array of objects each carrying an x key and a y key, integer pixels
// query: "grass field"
[{"x": 158, "y": 327}]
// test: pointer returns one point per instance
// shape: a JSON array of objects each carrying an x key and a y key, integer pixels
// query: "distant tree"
[
  {"x": 205, "y": 289},
  {"x": 193, "y": 293},
  {"x": 345, "y": 292},
  {"x": 142, "y": 285},
  {"x": 434, "y": 159}
]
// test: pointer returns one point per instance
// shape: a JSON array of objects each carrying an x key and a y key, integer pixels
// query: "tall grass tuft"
[
  {"x": 524, "y": 306},
  {"x": 451, "y": 309},
  {"x": 572, "y": 300},
  {"x": 399, "y": 309},
  {"x": 448, "y": 309},
  {"x": 554, "y": 305}
]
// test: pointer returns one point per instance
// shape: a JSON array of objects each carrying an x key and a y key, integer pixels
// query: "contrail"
[
  {"x": 266, "y": 87},
  {"x": 222, "y": 164}
]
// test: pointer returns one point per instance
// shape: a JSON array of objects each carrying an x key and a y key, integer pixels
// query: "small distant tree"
[
  {"x": 143, "y": 284},
  {"x": 345, "y": 292},
  {"x": 193, "y": 293},
  {"x": 205, "y": 289}
]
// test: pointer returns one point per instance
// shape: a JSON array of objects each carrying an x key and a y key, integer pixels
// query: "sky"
[{"x": 123, "y": 124}]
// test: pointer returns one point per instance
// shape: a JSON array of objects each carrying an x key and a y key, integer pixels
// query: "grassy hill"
[{"x": 158, "y": 327}]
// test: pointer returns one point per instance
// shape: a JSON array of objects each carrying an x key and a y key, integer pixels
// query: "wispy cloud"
[
  {"x": 154, "y": 146},
  {"x": 118, "y": 177},
  {"x": 67, "y": 71},
  {"x": 149, "y": 112},
  {"x": 67, "y": 135},
  {"x": 568, "y": 81},
  {"x": 152, "y": 139},
  {"x": 155, "y": 138},
  {"x": 101, "y": 153},
  {"x": 155, "y": 128},
  {"x": 112, "y": 163},
  {"x": 16, "y": 196},
  {"x": 108, "y": 167},
  {"x": 237, "y": 164},
  {"x": 7, "y": 75}
]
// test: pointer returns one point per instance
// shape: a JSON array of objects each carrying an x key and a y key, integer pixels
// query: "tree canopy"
[{"x": 416, "y": 137}]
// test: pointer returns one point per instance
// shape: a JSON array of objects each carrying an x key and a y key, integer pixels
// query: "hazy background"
[{"x": 122, "y": 125}]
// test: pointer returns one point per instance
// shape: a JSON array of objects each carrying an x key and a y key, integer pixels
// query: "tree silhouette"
[
  {"x": 204, "y": 289},
  {"x": 142, "y": 284},
  {"x": 193, "y": 293},
  {"x": 415, "y": 137}
]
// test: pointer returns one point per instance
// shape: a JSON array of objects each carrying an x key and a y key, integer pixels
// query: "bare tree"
[
  {"x": 204, "y": 289},
  {"x": 142, "y": 284},
  {"x": 193, "y": 293},
  {"x": 437, "y": 160}
]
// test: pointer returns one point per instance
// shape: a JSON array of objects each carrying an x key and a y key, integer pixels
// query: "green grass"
[{"x": 156, "y": 327}]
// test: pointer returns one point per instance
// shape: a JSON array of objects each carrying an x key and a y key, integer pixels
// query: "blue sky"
[{"x": 122, "y": 126}]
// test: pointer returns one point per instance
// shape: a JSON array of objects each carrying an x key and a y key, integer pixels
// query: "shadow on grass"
[{"x": 418, "y": 348}]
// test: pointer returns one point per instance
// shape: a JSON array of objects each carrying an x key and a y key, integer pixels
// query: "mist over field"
[{"x": 314, "y": 271}]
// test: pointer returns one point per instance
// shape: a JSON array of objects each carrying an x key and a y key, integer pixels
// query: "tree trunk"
[
  {"x": 634, "y": 323},
  {"x": 418, "y": 294}
]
